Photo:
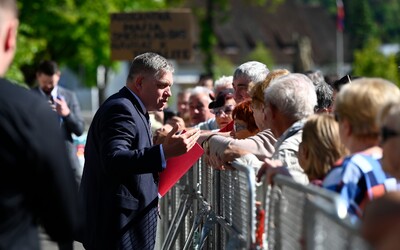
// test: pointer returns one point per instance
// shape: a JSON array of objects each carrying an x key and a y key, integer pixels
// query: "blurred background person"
[
  {"x": 324, "y": 98},
  {"x": 223, "y": 83},
  {"x": 315, "y": 76},
  {"x": 245, "y": 76},
  {"x": 338, "y": 84},
  {"x": 222, "y": 107},
  {"x": 65, "y": 104},
  {"x": 244, "y": 123},
  {"x": 200, "y": 115},
  {"x": 206, "y": 80},
  {"x": 183, "y": 105}
]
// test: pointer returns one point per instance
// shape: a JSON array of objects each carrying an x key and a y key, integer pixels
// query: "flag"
[{"x": 340, "y": 15}]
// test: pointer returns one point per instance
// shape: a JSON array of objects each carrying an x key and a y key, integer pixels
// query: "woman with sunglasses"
[{"x": 222, "y": 107}]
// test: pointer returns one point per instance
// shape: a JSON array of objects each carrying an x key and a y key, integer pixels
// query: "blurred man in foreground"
[{"x": 36, "y": 181}]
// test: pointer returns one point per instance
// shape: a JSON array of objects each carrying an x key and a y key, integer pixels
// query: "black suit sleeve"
[
  {"x": 124, "y": 151},
  {"x": 53, "y": 184}
]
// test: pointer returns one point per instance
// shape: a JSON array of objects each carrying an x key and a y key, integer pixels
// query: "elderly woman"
[
  {"x": 218, "y": 148},
  {"x": 244, "y": 123},
  {"x": 222, "y": 107},
  {"x": 358, "y": 178}
]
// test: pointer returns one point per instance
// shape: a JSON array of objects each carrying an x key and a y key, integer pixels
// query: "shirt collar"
[{"x": 139, "y": 101}]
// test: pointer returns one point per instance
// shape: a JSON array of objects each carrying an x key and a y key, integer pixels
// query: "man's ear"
[
  {"x": 139, "y": 82},
  {"x": 11, "y": 36},
  {"x": 274, "y": 111},
  {"x": 347, "y": 129}
]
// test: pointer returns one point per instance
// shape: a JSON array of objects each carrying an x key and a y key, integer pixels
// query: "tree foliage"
[
  {"x": 369, "y": 61},
  {"x": 360, "y": 22},
  {"x": 75, "y": 33},
  {"x": 262, "y": 54}
]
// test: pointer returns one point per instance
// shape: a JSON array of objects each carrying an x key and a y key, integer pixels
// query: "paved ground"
[{"x": 46, "y": 244}]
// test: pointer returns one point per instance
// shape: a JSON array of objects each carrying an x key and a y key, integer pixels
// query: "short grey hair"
[
  {"x": 200, "y": 90},
  {"x": 316, "y": 76},
  {"x": 252, "y": 71},
  {"x": 293, "y": 95},
  {"x": 149, "y": 63},
  {"x": 223, "y": 81}
]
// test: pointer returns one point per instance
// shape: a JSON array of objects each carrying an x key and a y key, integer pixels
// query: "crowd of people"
[{"x": 342, "y": 136}]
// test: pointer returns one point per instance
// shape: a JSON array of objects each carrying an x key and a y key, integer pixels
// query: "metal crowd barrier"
[
  {"x": 325, "y": 231},
  {"x": 211, "y": 209},
  {"x": 286, "y": 206}
]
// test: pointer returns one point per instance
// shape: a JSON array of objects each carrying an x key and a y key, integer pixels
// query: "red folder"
[
  {"x": 227, "y": 128},
  {"x": 177, "y": 167}
]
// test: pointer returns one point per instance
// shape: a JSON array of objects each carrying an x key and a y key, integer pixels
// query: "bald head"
[
  {"x": 10, "y": 5},
  {"x": 8, "y": 33}
]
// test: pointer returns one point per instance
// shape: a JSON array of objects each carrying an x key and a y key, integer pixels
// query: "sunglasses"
[
  {"x": 227, "y": 110},
  {"x": 387, "y": 133}
]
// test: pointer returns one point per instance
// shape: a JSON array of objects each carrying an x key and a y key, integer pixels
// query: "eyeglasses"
[
  {"x": 227, "y": 110},
  {"x": 239, "y": 127},
  {"x": 387, "y": 133}
]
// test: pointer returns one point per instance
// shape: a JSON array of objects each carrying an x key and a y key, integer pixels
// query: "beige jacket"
[{"x": 261, "y": 144}]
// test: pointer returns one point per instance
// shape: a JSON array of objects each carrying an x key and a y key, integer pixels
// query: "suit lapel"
[{"x": 126, "y": 93}]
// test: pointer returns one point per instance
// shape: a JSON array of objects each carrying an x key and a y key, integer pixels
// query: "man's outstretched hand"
[{"x": 178, "y": 144}]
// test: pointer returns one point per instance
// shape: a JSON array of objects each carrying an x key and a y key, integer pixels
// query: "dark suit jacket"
[
  {"x": 36, "y": 182},
  {"x": 119, "y": 187},
  {"x": 72, "y": 124}
]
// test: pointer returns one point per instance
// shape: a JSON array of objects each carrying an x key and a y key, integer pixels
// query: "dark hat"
[{"x": 221, "y": 98}]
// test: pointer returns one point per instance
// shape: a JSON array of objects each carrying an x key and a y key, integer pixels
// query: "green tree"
[
  {"x": 359, "y": 22},
  {"x": 73, "y": 33},
  {"x": 222, "y": 67},
  {"x": 370, "y": 62},
  {"x": 387, "y": 19},
  {"x": 262, "y": 54}
]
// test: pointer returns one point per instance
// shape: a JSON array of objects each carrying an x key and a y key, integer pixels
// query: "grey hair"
[
  {"x": 223, "y": 81},
  {"x": 185, "y": 91},
  {"x": 293, "y": 95},
  {"x": 252, "y": 71},
  {"x": 324, "y": 95},
  {"x": 201, "y": 90},
  {"x": 149, "y": 63},
  {"x": 316, "y": 76}
]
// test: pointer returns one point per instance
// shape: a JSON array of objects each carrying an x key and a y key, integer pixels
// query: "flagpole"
[
  {"x": 339, "y": 38},
  {"x": 339, "y": 53}
]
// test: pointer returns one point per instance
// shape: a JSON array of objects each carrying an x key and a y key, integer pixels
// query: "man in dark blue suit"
[{"x": 120, "y": 176}]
